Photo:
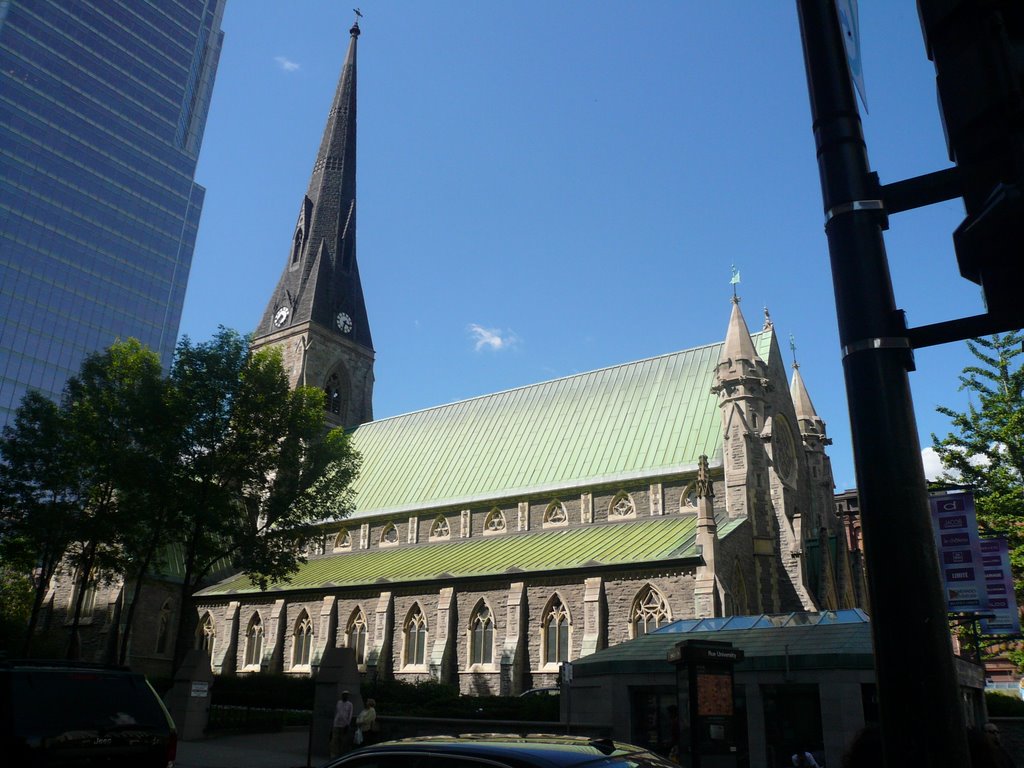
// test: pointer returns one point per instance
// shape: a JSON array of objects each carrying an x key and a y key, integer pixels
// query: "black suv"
[{"x": 70, "y": 714}]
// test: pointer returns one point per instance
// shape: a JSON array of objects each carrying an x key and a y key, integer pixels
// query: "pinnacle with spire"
[
  {"x": 738, "y": 344},
  {"x": 810, "y": 422},
  {"x": 320, "y": 281}
]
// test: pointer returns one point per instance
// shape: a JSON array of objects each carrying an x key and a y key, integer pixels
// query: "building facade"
[
  {"x": 102, "y": 111},
  {"x": 498, "y": 537}
]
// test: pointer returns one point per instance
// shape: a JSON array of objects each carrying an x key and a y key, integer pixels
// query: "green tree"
[
  {"x": 111, "y": 414},
  {"x": 80, "y": 480},
  {"x": 39, "y": 502},
  {"x": 257, "y": 469},
  {"x": 985, "y": 449}
]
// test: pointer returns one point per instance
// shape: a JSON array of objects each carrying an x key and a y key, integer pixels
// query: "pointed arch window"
[
  {"x": 494, "y": 522},
  {"x": 389, "y": 535},
  {"x": 688, "y": 500},
  {"x": 481, "y": 636},
  {"x": 297, "y": 246},
  {"x": 163, "y": 627},
  {"x": 555, "y": 515},
  {"x": 650, "y": 611},
  {"x": 343, "y": 540},
  {"x": 355, "y": 635},
  {"x": 416, "y": 638},
  {"x": 206, "y": 635},
  {"x": 254, "y": 637},
  {"x": 621, "y": 507},
  {"x": 555, "y": 632},
  {"x": 302, "y": 641},
  {"x": 441, "y": 529}
]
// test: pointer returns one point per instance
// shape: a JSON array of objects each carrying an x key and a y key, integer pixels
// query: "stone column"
[
  {"x": 328, "y": 629},
  {"x": 512, "y": 652},
  {"x": 225, "y": 652},
  {"x": 188, "y": 701},
  {"x": 273, "y": 649},
  {"x": 380, "y": 647},
  {"x": 338, "y": 672},
  {"x": 441, "y": 651},
  {"x": 593, "y": 616},
  {"x": 586, "y": 508}
]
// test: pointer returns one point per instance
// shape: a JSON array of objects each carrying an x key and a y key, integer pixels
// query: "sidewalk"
[{"x": 284, "y": 749}]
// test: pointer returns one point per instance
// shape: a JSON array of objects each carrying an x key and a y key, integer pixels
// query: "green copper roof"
[
  {"x": 652, "y": 417},
  {"x": 640, "y": 541}
]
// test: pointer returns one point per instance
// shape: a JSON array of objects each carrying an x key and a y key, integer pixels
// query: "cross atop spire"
[
  {"x": 354, "y": 31},
  {"x": 792, "y": 348}
]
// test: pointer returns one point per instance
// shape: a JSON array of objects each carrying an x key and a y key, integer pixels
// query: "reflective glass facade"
[{"x": 102, "y": 110}]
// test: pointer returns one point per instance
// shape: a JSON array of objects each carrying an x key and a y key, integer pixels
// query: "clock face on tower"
[
  {"x": 344, "y": 322},
  {"x": 281, "y": 316}
]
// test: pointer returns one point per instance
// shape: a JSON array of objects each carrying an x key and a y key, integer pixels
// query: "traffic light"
[{"x": 978, "y": 50}]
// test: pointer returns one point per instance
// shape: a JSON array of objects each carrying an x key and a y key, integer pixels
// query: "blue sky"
[{"x": 547, "y": 188}]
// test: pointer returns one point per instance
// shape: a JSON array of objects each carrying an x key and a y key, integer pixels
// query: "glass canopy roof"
[{"x": 798, "y": 619}]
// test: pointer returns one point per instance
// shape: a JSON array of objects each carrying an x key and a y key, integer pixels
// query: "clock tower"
[{"x": 316, "y": 314}]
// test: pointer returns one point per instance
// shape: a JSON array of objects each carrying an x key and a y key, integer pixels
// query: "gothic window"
[
  {"x": 336, "y": 392},
  {"x": 481, "y": 636},
  {"x": 740, "y": 602},
  {"x": 494, "y": 522},
  {"x": 555, "y": 633},
  {"x": 441, "y": 528},
  {"x": 254, "y": 641},
  {"x": 415, "y": 638},
  {"x": 343, "y": 540},
  {"x": 555, "y": 514},
  {"x": 688, "y": 501},
  {"x": 389, "y": 536},
  {"x": 302, "y": 641},
  {"x": 783, "y": 449},
  {"x": 297, "y": 246},
  {"x": 649, "y": 612},
  {"x": 206, "y": 635},
  {"x": 89, "y": 600},
  {"x": 163, "y": 627},
  {"x": 355, "y": 635},
  {"x": 622, "y": 506}
]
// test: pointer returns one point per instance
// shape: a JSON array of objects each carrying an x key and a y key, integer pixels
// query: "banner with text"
[
  {"x": 956, "y": 537},
  {"x": 995, "y": 561}
]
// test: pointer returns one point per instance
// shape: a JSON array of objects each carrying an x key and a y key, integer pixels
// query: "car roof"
[{"x": 533, "y": 749}]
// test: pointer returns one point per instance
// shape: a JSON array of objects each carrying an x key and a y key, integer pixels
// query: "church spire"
[
  {"x": 316, "y": 315},
  {"x": 810, "y": 422},
  {"x": 738, "y": 344},
  {"x": 320, "y": 282}
]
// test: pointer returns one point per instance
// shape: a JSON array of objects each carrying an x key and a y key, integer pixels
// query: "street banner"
[
  {"x": 995, "y": 560},
  {"x": 956, "y": 538}
]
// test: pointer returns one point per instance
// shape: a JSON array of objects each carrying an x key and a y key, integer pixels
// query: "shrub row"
[{"x": 394, "y": 698}]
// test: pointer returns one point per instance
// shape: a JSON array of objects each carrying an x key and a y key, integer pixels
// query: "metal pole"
[{"x": 922, "y": 723}]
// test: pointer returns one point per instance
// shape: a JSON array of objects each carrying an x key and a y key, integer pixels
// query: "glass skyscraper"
[{"x": 102, "y": 110}]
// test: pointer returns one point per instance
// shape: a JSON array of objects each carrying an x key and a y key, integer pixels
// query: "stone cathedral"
[{"x": 498, "y": 537}]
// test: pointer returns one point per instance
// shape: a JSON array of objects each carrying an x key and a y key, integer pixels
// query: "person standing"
[
  {"x": 341, "y": 733},
  {"x": 367, "y": 722}
]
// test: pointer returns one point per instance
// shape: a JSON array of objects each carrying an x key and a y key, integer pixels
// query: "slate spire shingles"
[{"x": 321, "y": 275}]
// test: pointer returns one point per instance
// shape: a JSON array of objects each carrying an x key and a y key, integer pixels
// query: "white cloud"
[
  {"x": 491, "y": 338},
  {"x": 932, "y": 463},
  {"x": 286, "y": 64}
]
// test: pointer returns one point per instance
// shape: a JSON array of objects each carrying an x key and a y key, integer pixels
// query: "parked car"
[
  {"x": 501, "y": 751},
  {"x": 540, "y": 692},
  {"x": 71, "y": 714}
]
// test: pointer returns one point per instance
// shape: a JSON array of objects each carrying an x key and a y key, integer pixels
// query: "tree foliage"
[
  {"x": 985, "y": 449},
  {"x": 219, "y": 460}
]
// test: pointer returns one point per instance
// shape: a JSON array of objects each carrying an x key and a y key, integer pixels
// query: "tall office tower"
[{"x": 102, "y": 109}]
